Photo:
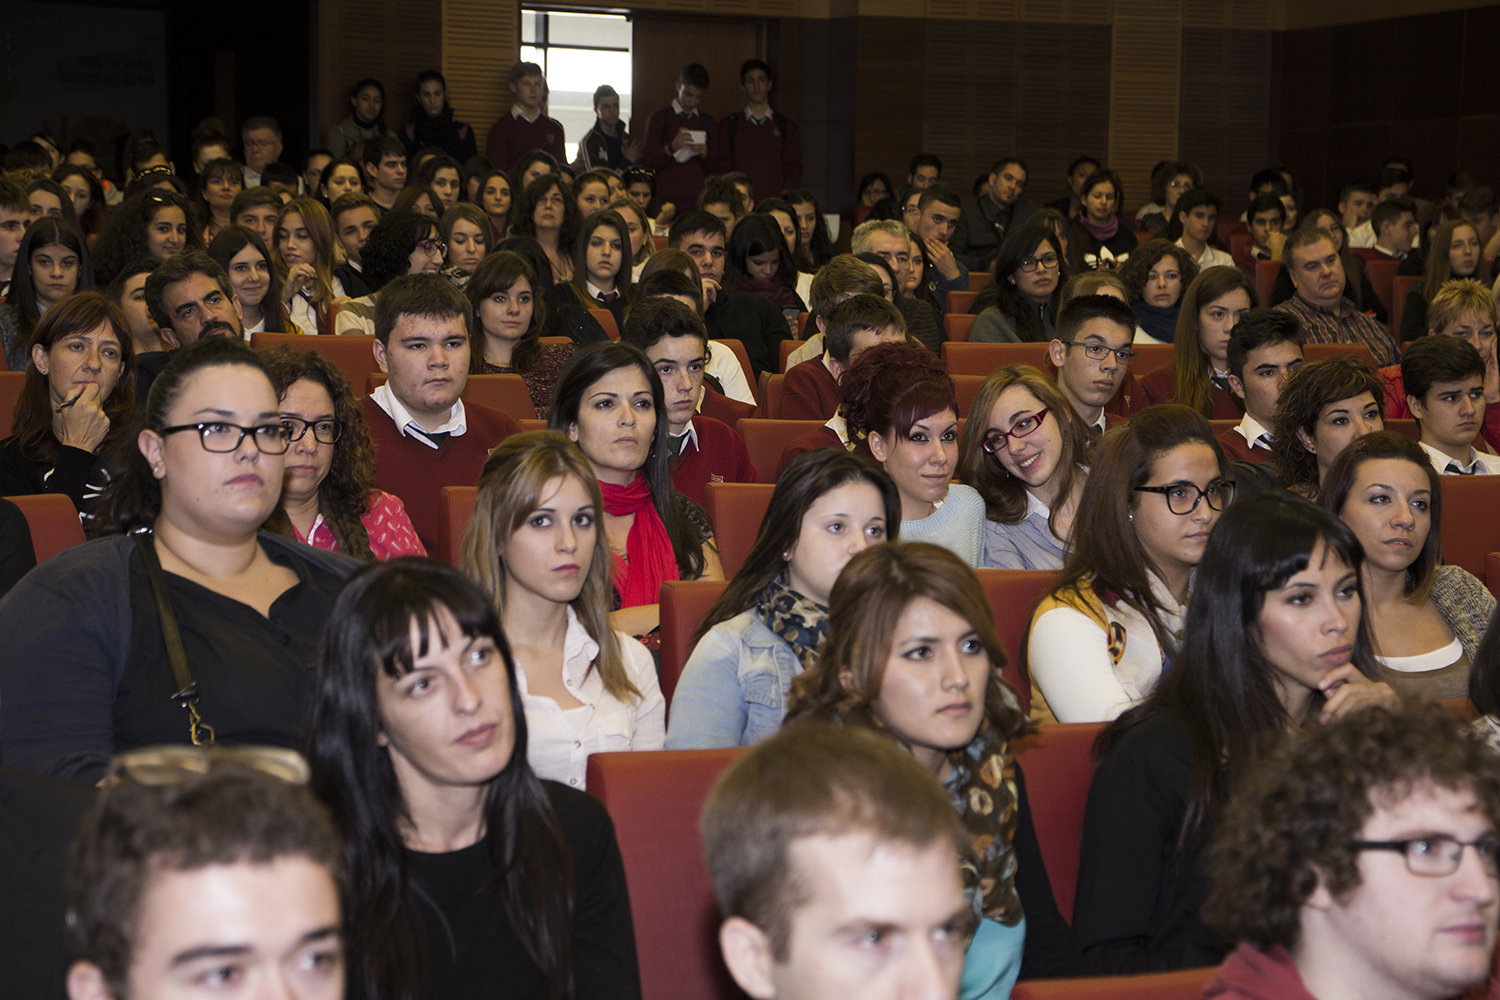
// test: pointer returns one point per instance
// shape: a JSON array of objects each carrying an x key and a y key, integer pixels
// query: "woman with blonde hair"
[
  {"x": 303, "y": 255},
  {"x": 537, "y": 546},
  {"x": 642, "y": 246},
  {"x": 1024, "y": 451}
]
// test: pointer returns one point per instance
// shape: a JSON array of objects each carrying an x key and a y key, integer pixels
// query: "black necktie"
[
  {"x": 608, "y": 297},
  {"x": 1455, "y": 469}
]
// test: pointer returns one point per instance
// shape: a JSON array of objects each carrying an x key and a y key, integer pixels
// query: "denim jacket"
[{"x": 734, "y": 689}]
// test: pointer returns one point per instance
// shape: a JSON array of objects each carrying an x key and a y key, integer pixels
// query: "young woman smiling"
[
  {"x": 1030, "y": 271},
  {"x": 256, "y": 284}
]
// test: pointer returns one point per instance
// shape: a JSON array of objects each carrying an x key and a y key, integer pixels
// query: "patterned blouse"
[
  {"x": 390, "y": 530},
  {"x": 541, "y": 381}
]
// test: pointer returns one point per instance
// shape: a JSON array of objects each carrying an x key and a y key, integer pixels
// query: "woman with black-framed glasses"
[
  {"x": 187, "y": 623},
  {"x": 328, "y": 494},
  {"x": 1103, "y": 637},
  {"x": 1024, "y": 451},
  {"x": 1021, "y": 304}
]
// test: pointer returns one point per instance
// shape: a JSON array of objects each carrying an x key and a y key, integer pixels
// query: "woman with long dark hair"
[
  {"x": 509, "y": 316},
  {"x": 149, "y": 223},
  {"x": 1199, "y": 374},
  {"x": 1029, "y": 273},
  {"x": 465, "y": 870},
  {"x": 256, "y": 283},
  {"x": 1275, "y": 638},
  {"x": 759, "y": 263},
  {"x": 51, "y": 264},
  {"x": 772, "y": 619},
  {"x": 1455, "y": 252}
]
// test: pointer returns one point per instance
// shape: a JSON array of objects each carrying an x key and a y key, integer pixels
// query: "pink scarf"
[
  {"x": 648, "y": 549},
  {"x": 1103, "y": 233}
]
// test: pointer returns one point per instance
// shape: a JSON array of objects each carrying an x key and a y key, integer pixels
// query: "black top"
[
  {"x": 1138, "y": 897},
  {"x": 77, "y": 473},
  {"x": 470, "y": 938},
  {"x": 1051, "y": 950},
  {"x": 85, "y": 674},
  {"x": 753, "y": 321},
  {"x": 16, "y": 552}
]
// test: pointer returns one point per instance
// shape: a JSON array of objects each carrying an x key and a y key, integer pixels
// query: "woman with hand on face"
[
  {"x": 610, "y": 402},
  {"x": 89, "y": 672},
  {"x": 1156, "y": 274},
  {"x": 1102, "y": 638},
  {"x": 465, "y": 869},
  {"x": 1024, "y": 451},
  {"x": 1103, "y": 241},
  {"x": 912, "y": 653},
  {"x": 1199, "y": 374},
  {"x": 303, "y": 256},
  {"x": 772, "y": 620},
  {"x": 256, "y": 283},
  {"x": 509, "y": 316},
  {"x": 536, "y": 546},
  {"x": 1426, "y": 619},
  {"x": 75, "y": 402},
  {"x": 1275, "y": 640},
  {"x": 900, "y": 401},
  {"x": 1030, "y": 270},
  {"x": 1324, "y": 407},
  {"x": 328, "y": 494},
  {"x": 51, "y": 264}
]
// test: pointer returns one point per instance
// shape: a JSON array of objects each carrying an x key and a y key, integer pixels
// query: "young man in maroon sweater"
[
  {"x": 524, "y": 127},
  {"x": 676, "y": 342},
  {"x": 760, "y": 141},
  {"x": 672, "y": 145},
  {"x": 425, "y": 436}
]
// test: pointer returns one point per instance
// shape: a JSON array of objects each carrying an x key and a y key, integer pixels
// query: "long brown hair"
[
  {"x": 1194, "y": 370},
  {"x": 498, "y": 272}
]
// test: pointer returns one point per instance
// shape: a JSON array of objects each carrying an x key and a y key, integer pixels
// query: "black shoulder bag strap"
[{"x": 200, "y": 732}]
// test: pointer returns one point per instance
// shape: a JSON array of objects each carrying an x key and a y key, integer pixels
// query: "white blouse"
[{"x": 560, "y": 740}]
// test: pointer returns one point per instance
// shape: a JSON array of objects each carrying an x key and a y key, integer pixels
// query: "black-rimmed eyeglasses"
[
  {"x": 324, "y": 431},
  {"x": 1440, "y": 855},
  {"x": 1046, "y": 262},
  {"x": 221, "y": 438},
  {"x": 1183, "y": 498}
]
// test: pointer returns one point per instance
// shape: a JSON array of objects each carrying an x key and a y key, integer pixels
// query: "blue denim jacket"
[{"x": 733, "y": 691}]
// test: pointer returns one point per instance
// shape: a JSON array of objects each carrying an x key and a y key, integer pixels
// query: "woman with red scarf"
[{"x": 609, "y": 401}]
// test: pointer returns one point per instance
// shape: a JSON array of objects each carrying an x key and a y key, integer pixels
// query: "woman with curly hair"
[
  {"x": 328, "y": 494},
  {"x": 401, "y": 243},
  {"x": 150, "y": 223},
  {"x": 1155, "y": 275},
  {"x": 75, "y": 402},
  {"x": 1198, "y": 376}
]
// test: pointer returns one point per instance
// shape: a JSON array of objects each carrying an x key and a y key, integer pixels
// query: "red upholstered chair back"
[
  {"x": 965, "y": 358},
  {"x": 1184, "y": 984},
  {"x": 683, "y": 605},
  {"x": 654, "y": 798},
  {"x": 737, "y": 510},
  {"x": 788, "y": 348},
  {"x": 1382, "y": 273},
  {"x": 766, "y": 439},
  {"x": 959, "y": 302},
  {"x": 1265, "y": 279},
  {"x": 1013, "y": 595},
  {"x": 10, "y": 393},
  {"x": 743, "y": 356},
  {"x": 956, "y": 326},
  {"x": 1058, "y": 764},
  {"x": 506, "y": 393},
  {"x": 354, "y": 355},
  {"x": 1400, "y": 289},
  {"x": 980, "y": 280},
  {"x": 1471, "y": 529},
  {"x": 53, "y": 521},
  {"x": 772, "y": 389},
  {"x": 454, "y": 514},
  {"x": 1323, "y": 352}
]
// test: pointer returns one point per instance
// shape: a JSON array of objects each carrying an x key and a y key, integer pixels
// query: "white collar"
[
  {"x": 691, "y": 434},
  {"x": 516, "y": 111},
  {"x": 456, "y": 424},
  {"x": 684, "y": 112},
  {"x": 1252, "y": 430},
  {"x": 839, "y": 426}
]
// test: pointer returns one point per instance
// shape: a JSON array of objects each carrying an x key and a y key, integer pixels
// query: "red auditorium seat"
[
  {"x": 53, "y": 521},
  {"x": 959, "y": 302},
  {"x": 454, "y": 513},
  {"x": 683, "y": 605},
  {"x": 1184, "y": 984},
  {"x": 1013, "y": 594},
  {"x": 766, "y": 439},
  {"x": 737, "y": 510},
  {"x": 1471, "y": 531},
  {"x": 354, "y": 355},
  {"x": 956, "y": 326},
  {"x": 10, "y": 393},
  {"x": 1059, "y": 766}
]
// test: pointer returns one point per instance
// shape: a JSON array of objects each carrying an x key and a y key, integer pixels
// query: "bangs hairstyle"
[
  {"x": 1222, "y": 685},
  {"x": 1193, "y": 386},
  {"x": 382, "y": 622},
  {"x": 1019, "y": 246},
  {"x": 1104, "y": 553},
  {"x": 892, "y": 386},
  {"x": 345, "y": 492},
  {"x": 498, "y": 272},
  {"x": 1314, "y": 385},
  {"x": 808, "y": 478},
  {"x": 601, "y": 220},
  {"x": 511, "y": 487},
  {"x": 755, "y": 235},
  {"x": 871, "y": 594},
  {"x": 470, "y": 213},
  {"x": 1339, "y": 484},
  {"x": 813, "y": 779},
  {"x": 1004, "y": 495},
  {"x": 229, "y": 244},
  {"x": 81, "y": 312}
]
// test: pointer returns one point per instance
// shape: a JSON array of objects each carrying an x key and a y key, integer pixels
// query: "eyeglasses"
[
  {"x": 1220, "y": 494},
  {"x": 1046, "y": 262},
  {"x": 1434, "y": 857},
  {"x": 222, "y": 438},
  {"x": 324, "y": 431},
  {"x": 432, "y": 248},
  {"x": 173, "y": 765},
  {"x": 1025, "y": 427},
  {"x": 1098, "y": 352}
]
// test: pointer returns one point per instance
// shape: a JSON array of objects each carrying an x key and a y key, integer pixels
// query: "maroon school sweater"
[
  {"x": 417, "y": 473},
  {"x": 512, "y": 138},
  {"x": 810, "y": 393},
  {"x": 770, "y": 155},
  {"x": 679, "y": 183},
  {"x": 721, "y": 457}
]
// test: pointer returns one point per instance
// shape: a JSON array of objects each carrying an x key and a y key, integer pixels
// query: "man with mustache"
[{"x": 188, "y": 297}]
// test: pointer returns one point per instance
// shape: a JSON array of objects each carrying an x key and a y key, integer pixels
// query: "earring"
[{"x": 1131, "y": 516}]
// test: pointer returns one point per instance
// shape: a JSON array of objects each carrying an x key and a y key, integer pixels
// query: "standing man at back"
[
  {"x": 675, "y": 142},
  {"x": 759, "y": 141},
  {"x": 425, "y": 436},
  {"x": 525, "y": 127}
]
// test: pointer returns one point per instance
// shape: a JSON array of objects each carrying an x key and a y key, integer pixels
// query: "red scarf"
[{"x": 648, "y": 549}]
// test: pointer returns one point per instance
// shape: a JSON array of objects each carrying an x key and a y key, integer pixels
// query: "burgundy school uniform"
[
  {"x": 809, "y": 392},
  {"x": 1236, "y": 450},
  {"x": 725, "y": 409},
  {"x": 823, "y": 437},
  {"x": 769, "y": 151},
  {"x": 1160, "y": 386},
  {"x": 417, "y": 473},
  {"x": 721, "y": 457},
  {"x": 679, "y": 183},
  {"x": 512, "y": 138}
]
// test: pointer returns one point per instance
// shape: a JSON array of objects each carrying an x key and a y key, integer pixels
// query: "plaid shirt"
[{"x": 1347, "y": 326}]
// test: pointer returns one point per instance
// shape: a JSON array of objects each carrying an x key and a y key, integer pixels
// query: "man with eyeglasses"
[
  {"x": 1360, "y": 861},
  {"x": 984, "y": 220},
  {"x": 204, "y": 874},
  {"x": 1092, "y": 355},
  {"x": 262, "y": 138},
  {"x": 425, "y": 435}
]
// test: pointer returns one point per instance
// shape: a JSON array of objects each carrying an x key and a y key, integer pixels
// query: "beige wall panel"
[{"x": 1145, "y": 80}]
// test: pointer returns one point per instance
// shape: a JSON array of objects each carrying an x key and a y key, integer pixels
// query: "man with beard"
[{"x": 189, "y": 297}]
